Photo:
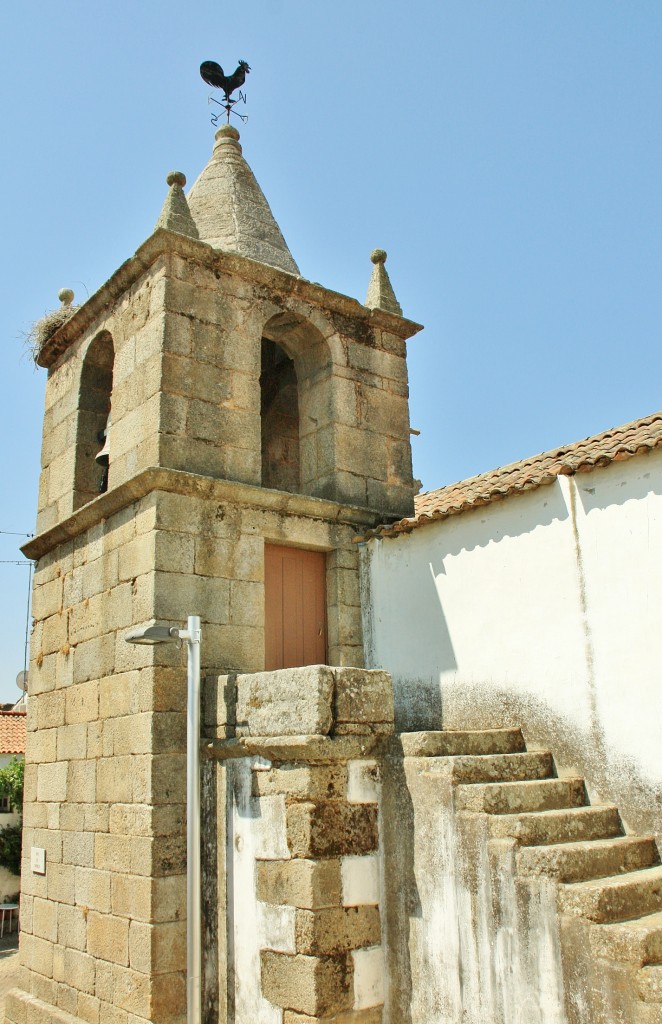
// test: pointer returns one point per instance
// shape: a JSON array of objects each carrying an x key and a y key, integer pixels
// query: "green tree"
[
  {"x": 11, "y": 788},
  {"x": 11, "y": 783}
]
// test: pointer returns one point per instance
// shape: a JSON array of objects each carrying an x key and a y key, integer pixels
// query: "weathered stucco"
[
  {"x": 509, "y": 895},
  {"x": 541, "y": 610},
  {"x": 468, "y": 941}
]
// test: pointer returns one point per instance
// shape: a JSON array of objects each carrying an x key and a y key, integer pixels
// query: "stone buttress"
[{"x": 298, "y": 758}]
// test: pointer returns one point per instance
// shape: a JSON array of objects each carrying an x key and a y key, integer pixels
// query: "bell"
[{"x": 103, "y": 456}]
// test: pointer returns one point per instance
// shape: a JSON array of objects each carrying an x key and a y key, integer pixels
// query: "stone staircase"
[{"x": 607, "y": 885}]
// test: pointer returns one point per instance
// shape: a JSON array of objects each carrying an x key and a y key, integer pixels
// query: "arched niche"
[
  {"x": 296, "y": 404},
  {"x": 94, "y": 401},
  {"x": 279, "y": 411}
]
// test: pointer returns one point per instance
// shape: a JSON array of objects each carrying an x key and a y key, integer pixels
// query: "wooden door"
[{"x": 294, "y": 607}]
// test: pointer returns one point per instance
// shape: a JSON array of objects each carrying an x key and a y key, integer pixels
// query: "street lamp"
[{"x": 191, "y": 636}]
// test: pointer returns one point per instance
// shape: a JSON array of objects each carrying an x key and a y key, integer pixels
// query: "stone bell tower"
[{"x": 255, "y": 423}]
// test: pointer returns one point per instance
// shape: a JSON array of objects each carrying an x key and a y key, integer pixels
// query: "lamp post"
[{"x": 192, "y": 637}]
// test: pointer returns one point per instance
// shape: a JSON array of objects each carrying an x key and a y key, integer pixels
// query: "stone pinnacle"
[
  {"x": 380, "y": 291},
  {"x": 175, "y": 215}
]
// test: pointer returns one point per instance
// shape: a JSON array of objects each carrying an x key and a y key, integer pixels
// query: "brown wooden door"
[{"x": 294, "y": 607}]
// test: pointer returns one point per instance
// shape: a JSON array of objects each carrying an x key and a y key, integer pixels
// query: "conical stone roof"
[{"x": 230, "y": 210}]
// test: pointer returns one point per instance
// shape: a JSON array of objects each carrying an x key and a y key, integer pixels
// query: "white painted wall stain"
[
  {"x": 256, "y": 830},
  {"x": 483, "y": 948},
  {"x": 363, "y": 782},
  {"x": 361, "y": 885},
  {"x": 360, "y": 880},
  {"x": 277, "y": 925},
  {"x": 368, "y": 977}
]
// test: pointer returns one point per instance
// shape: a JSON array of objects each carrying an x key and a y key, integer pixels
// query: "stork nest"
[{"x": 44, "y": 328}]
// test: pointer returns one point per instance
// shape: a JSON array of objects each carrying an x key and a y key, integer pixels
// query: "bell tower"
[{"x": 254, "y": 423}]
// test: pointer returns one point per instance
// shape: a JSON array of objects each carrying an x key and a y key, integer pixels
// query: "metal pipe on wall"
[
  {"x": 193, "y": 869},
  {"x": 192, "y": 635}
]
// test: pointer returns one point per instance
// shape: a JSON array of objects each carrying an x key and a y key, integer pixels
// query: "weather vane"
[{"x": 212, "y": 74}]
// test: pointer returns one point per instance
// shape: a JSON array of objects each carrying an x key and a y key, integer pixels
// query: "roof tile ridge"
[{"x": 551, "y": 453}]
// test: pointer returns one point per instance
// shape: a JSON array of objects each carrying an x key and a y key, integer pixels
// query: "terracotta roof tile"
[
  {"x": 615, "y": 445},
  {"x": 12, "y": 732}
]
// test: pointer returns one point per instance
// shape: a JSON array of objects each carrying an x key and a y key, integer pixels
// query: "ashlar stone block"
[
  {"x": 79, "y": 970},
  {"x": 331, "y": 829},
  {"x": 332, "y": 930},
  {"x": 44, "y": 919},
  {"x": 363, "y": 696},
  {"x": 60, "y": 883},
  {"x": 299, "y": 882},
  {"x": 72, "y": 926},
  {"x": 52, "y": 781},
  {"x": 308, "y": 984},
  {"x": 288, "y": 702},
  {"x": 108, "y": 937},
  {"x": 92, "y": 889},
  {"x": 302, "y": 782},
  {"x": 38, "y": 953},
  {"x": 132, "y": 991},
  {"x": 89, "y": 1008}
]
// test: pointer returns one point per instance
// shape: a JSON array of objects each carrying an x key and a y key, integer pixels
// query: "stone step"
[
  {"x": 470, "y": 768},
  {"x": 515, "y": 797},
  {"x": 448, "y": 743},
  {"x": 649, "y": 983},
  {"x": 577, "y": 862},
  {"x": 636, "y": 942},
  {"x": 616, "y": 898},
  {"x": 540, "y": 828}
]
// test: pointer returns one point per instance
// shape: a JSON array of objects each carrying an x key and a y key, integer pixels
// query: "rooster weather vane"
[{"x": 212, "y": 73}]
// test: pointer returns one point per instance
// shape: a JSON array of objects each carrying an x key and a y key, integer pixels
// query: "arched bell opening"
[
  {"x": 93, "y": 424},
  {"x": 297, "y": 406},
  {"x": 279, "y": 406}
]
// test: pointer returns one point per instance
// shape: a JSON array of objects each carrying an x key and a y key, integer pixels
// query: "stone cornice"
[
  {"x": 163, "y": 242},
  {"x": 177, "y": 481}
]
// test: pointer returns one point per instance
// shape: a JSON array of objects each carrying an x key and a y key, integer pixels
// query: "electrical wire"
[{"x": 11, "y": 561}]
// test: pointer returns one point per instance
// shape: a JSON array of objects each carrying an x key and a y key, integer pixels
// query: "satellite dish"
[{"x": 22, "y": 681}]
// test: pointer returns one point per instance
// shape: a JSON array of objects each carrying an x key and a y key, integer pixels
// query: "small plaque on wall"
[{"x": 38, "y": 860}]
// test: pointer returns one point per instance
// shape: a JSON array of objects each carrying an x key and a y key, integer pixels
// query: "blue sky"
[{"x": 506, "y": 153}]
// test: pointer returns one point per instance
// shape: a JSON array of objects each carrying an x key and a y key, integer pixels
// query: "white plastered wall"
[{"x": 545, "y": 610}]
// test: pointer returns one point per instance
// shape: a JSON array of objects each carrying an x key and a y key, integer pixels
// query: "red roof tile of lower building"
[
  {"x": 12, "y": 732},
  {"x": 637, "y": 438}
]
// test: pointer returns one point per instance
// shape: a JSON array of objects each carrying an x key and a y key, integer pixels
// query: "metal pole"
[{"x": 193, "y": 897}]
